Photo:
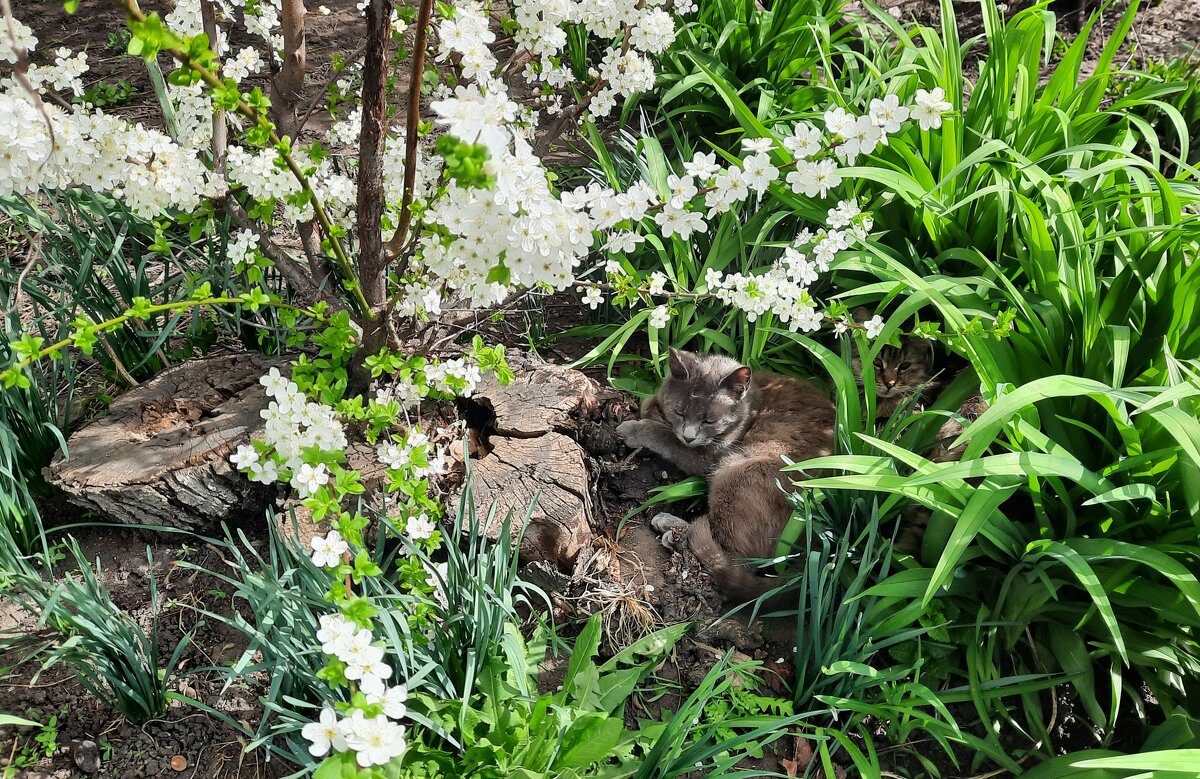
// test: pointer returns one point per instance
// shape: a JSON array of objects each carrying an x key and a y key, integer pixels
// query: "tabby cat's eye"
[
  {"x": 879, "y": 363},
  {"x": 710, "y": 421},
  {"x": 904, "y": 366}
]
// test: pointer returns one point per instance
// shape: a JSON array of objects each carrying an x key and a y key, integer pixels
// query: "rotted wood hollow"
[
  {"x": 161, "y": 455},
  {"x": 530, "y": 455}
]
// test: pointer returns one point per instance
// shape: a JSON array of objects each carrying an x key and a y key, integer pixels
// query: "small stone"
[
  {"x": 178, "y": 763},
  {"x": 86, "y": 756}
]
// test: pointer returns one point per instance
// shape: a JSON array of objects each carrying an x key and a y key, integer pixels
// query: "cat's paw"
[
  {"x": 664, "y": 522},
  {"x": 672, "y": 529},
  {"x": 635, "y": 433}
]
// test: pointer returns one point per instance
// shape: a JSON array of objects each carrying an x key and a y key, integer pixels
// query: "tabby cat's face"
[
  {"x": 705, "y": 398},
  {"x": 899, "y": 372}
]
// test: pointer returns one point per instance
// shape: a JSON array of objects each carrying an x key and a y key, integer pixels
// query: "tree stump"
[
  {"x": 161, "y": 455},
  {"x": 527, "y": 451}
]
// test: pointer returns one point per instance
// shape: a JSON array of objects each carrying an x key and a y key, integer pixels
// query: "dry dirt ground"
[{"x": 202, "y": 745}]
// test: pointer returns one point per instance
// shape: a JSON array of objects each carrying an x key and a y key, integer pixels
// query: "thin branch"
[
  {"x": 295, "y": 273},
  {"x": 220, "y": 132},
  {"x": 412, "y": 124},
  {"x": 318, "y": 102}
]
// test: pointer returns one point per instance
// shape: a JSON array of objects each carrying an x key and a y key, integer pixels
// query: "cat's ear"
[
  {"x": 919, "y": 350},
  {"x": 679, "y": 363},
  {"x": 737, "y": 382},
  {"x": 861, "y": 314}
]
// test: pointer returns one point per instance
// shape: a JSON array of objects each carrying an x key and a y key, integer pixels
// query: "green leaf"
[
  {"x": 340, "y": 765},
  {"x": 589, "y": 740},
  {"x": 1185, "y": 762}
]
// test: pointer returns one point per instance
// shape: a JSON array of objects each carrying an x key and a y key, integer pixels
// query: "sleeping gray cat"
[{"x": 713, "y": 417}]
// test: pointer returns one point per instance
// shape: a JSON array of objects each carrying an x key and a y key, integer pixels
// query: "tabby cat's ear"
[
  {"x": 919, "y": 350},
  {"x": 679, "y": 362},
  {"x": 738, "y": 381}
]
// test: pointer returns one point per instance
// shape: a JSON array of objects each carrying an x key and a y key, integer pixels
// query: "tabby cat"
[
  {"x": 713, "y": 417},
  {"x": 900, "y": 374}
]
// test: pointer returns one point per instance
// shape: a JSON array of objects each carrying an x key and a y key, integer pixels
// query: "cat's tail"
[{"x": 735, "y": 581}]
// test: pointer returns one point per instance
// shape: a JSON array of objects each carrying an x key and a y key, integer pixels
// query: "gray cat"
[{"x": 713, "y": 417}]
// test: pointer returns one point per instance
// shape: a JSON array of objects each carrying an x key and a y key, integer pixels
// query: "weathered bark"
[
  {"x": 370, "y": 167},
  {"x": 290, "y": 81},
  {"x": 161, "y": 455},
  {"x": 372, "y": 262},
  {"x": 528, "y": 454},
  {"x": 550, "y": 468}
]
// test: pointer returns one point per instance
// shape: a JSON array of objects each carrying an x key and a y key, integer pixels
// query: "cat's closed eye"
[{"x": 905, "y": 366}]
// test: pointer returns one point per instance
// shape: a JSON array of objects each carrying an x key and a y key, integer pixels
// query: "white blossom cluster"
[
  {"x": 143, "y": 167},
  {"x": 413, "y": 455},
  {"x": 539, "y": 238},
  {"x": 783, "y": 289},
  {"x": 631, "y": 31},
  {"x": 374, "y": 740},
  {"x": 25, "y": 41},
  {"x": 64, "y": 76},
  {"x": 706, "y": 188},
  {"x": 294, "y": 424}
]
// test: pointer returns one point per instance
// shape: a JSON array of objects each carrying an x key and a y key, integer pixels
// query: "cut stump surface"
[
  {"x": 529, "y": 453},
  {"x": 161, "y": 454}
]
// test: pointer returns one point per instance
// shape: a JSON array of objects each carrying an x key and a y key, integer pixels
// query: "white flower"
[
  {"x": 392, "y": 700},
  {"x": 614, "y": 269},
  {"x": 654, "y": 33},
  {"x": 814, "y": 179},
  {"x": 25, "y": 40},
  {"x": 420, "y": 527},
  {"x": 328, "y": 550},
  {"x": 624, "y": 242},
  {"x": 683, "y": 189},
  {"x": 323, "y": 734},
  {"x": 702, "y": 166},
  {"x": 842, "y": 214},
  {"x": 759, "y": 172},
  {"x": 307, "y": 479},
  {"x": 658, "y": 283},
  {"x": 888, "y": 114},
  {"x": 757, "y": 145},
  {"x": 368, "y": 669},
  {"x": 804, "y": 142},
  {"x": 676, "y": 221},
  {"x": 245, "y": 458},
  {"x": 375, "y": 741},
  {"x": 266, "y": 472},
  {"x": 874, "y": 326},
  {"x": 838, "y": 121},
  {"x": 335, "y": 633},
  {"x": 659, "y": 317},
  {"x": 275, "y": 383},
  {"x": 861, "y": 137},
  {"x": 593, "y": 297},
  {"x": 929, "y": 108}
]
